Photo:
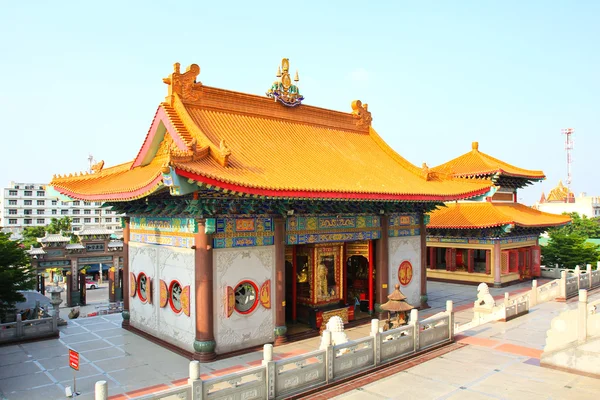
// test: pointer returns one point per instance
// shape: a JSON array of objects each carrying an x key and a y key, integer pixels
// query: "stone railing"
[
  {"x": 565, "y": 341},
  {"x": 28, "y": 329},
  {"x": 332, "y": 362},
  {"x": 516, "y": 306},
  {"x": 506, "y": 310}
]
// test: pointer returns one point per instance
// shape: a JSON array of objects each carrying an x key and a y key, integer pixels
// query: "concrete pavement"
[{"x": 133, "y": 366}]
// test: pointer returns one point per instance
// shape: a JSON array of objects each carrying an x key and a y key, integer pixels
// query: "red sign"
[
  {"x": 74, "y": 359},
  {"x": 405, "y": 273}
]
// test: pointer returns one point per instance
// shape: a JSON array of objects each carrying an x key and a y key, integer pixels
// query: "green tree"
[
  {"x": 580, "y": 225},
  {"x": 58, "y": 225},
  {"x": 31, "y": 234},
  {"x": 15, "y": 274},
  {"x": 569, "y": 250}
]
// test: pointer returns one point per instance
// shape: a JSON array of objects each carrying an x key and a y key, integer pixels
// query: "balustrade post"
[
  {"x": 414, "y": 321},
  {"x": 450, "y": 312},
  {"x": 588, "y": 270},
  {"x": 194, "y": 380},
  {"x": 563, "y": 285},
  {"x": 533, "y": 294},
  {"x": 506, "y": 299},
  {"x": 101, "y": 390},
  {"x": 269, "y": 364},
  {"x": 375, "y": 335},
  {"x": 19, "y": 326},
  {"x": 582, "y": 317},
  {"x": 329, "y": 356}
]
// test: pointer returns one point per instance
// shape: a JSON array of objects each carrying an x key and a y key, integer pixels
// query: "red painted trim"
[
  {"x": 160, "y": 116},
  {"x": 175, "y": 310},
  {"x": 111, "y": 196},
  {"x": 330, "y": 195},
  {"x": 370, "y": 275},
  {"x": 255, "y": 298}
]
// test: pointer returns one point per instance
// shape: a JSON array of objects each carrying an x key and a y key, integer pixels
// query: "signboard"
[
  {"x": 93, "y": 260},
  {"x": 94, "y": 247},
  {"x": 74, "y": 359}
]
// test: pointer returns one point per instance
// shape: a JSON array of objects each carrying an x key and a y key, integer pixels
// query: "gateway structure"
[
  {"x": 248, "y": 216},
  {"x": 494, "y": 240}
]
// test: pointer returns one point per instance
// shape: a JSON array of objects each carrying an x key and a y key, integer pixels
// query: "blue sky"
[{"x": 81, "y": 77}]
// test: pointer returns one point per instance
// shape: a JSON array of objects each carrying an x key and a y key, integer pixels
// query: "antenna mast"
[
  {"x": 91, "y": 162},
  {"x": 568, "y": 147}
]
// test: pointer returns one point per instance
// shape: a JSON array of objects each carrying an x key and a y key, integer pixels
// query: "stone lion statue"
[{"x": 484, "y": 298}]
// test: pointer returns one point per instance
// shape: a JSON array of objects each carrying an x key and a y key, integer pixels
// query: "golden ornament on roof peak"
[{"x": 282, "y": 89}]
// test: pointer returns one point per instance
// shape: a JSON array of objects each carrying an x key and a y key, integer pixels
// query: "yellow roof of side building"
[
  {"x": 478, "y": 164},
  {"x": 250, "y": 144},
  {"x": 479, "y": 215}
]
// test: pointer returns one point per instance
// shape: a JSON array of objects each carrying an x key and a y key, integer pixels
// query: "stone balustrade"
[
  {"x": 29, "y": 329},
  {"x": 332, "y": 362}
]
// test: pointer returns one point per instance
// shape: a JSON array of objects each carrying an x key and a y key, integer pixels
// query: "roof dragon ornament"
[
  {"x": 185, "y": 84},
  {"x": 282, "y": 90},
  {"x": 362, "y": 114}
]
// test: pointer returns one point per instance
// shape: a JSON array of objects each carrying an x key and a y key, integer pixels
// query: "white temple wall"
[
  {"x": 166, "y": 263},
  {"x": 400, "y": 249},
  {"x": 232, "y": 266}
]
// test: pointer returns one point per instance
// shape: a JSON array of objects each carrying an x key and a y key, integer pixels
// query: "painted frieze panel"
[
  {"x": 243, "y": 232},
  {"x": 404, "y": 224},
  {"x": 324, "y": 229},
  {"x": 176, "y": 232}
]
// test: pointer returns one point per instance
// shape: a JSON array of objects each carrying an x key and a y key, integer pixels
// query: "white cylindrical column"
[
  {"x": 268, "y": 352},
  {"x": 101, "y": 390},
  {"x": 194, "y": 370},
  {"x": 374, "y": 326}
]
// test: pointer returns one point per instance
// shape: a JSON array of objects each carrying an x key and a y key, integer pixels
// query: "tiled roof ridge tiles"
[{"x": 229, "y": 101}]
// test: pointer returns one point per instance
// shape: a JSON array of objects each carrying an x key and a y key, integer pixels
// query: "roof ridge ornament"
[
  {"x": 185, "y": 84},
  {"x": 361, "y": 113},
  {"x": 282, "y": 90}
]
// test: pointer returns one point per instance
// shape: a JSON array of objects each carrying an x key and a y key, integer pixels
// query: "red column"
[
  {"x": 126, "y": 234},
  {"x": 488, "y": 262},
  {"x": 423, "y": 232},
  {"x": 370, "y": 276},
  {"x": 280, "y": 327},
  {"x": 203, "y": 260},
  {"x": 381, "y": 260},
  {"x": 470, "y": 260}
]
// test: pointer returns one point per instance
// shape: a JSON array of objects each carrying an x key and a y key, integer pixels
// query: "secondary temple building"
[
  {"x": 251, "y": 216},
  {"x": 493, "y": 240}
]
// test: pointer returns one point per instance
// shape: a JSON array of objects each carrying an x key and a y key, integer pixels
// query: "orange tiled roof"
[
  {"x": 477, "y": 215},
  {"x": 251, "y": 144},
  {"x": 477, "y": 164}
]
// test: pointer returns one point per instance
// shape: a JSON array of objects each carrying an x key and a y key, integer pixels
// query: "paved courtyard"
[{"x": 497, "y": 361}]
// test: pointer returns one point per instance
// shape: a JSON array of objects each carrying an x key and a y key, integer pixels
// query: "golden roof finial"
[
  {"x": 475, "y": 146},
  {"x": 282, "y": 89},
  {"x": 296, "y": 79},
  {"x": 278, "y": 72}
]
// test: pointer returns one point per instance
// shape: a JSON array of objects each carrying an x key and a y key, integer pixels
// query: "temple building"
[
  {"x": 493, "y": 240},
  {"x": 561, "y": 200},
  {"x": 252, "y": 217}
]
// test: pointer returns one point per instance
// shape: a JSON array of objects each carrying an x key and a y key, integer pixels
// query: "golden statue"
[
  {"x": 302, "y": 276},
  {"x": 322, "y": 285}
]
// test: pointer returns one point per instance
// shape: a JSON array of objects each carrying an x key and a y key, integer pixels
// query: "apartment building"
[{"x": 27, "y": 204}]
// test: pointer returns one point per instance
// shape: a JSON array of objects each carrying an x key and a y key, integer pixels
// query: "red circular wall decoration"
[
  {"x": 175, "y": 290},
  {"x": 246, "y": 297},
  {"x": 142, "y": 287},
  {"x": 405, "y": 272}
]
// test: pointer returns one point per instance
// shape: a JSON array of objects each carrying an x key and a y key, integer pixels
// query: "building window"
[
  {"x": 28, "y": 193},
  {"x": 40, "y": 212},
  {"x": 97, "y": 212},
  {"x": 41, "y": 202},
  {"x": 27, "y": 221},
  {"x": 12, "y": 202},
  {"x": 87, "y": 212},
  {"x": 87, "y": 220},
  {"x": 97, "y": 203},
  {"x": 117, "y": 219},
  {"x": 12, "y": 221},
  {"x": 75, "y": 212},
  {"x": 12, "y": 192},
  {"x": 75, "y": 220},
  {"x": 108, "y": 220},
  {"x": 76, "y": 203},
  {"x": 27, "y": 202},
  {"x": 54, "y": 212},
  {"x": 12, "y": 212},
  {"x": 40, "y": 221},
  {"x": 54, "y": 202},
  {"x": 27, "y": 212},
  {"x": 76, "y": 228},
  {"x": 64, "y": 212},
  {"x": 96, "y": 220},
  {"x": 40, "y": 193},
  {"x": 63, "y": 203},
  {"x": 87, "y": 203}
]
